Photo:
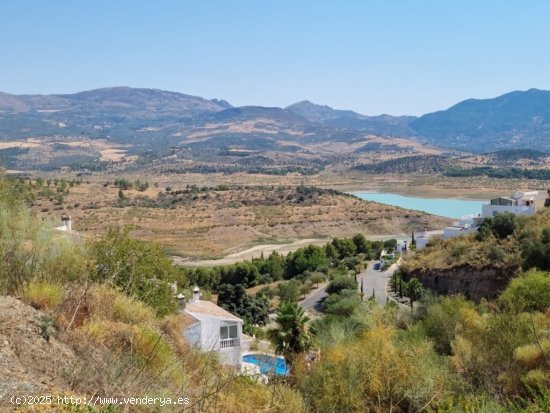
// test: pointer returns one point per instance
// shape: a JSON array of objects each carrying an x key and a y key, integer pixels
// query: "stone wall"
[{"x": 474, "y": 282}]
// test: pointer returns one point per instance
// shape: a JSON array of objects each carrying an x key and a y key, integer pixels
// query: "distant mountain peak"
[
  {"x": 348, "y": 119},
  {"x": 307, "y": 104},
  {"x": 119, "y": 97},
  {"x": 222, "y": 102},
  {"x": 518, "y": 119}
]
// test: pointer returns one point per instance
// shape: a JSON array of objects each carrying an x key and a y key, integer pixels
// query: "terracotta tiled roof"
[{"x": 209, "y": 309}]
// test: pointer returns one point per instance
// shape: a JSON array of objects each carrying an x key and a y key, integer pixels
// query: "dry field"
[
  {"x": 214, "y": 223},
  {"x": 41, "y": 152}
]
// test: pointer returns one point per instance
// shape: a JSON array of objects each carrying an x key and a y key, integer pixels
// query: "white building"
[
  {"x": 519, "y": 203},
  {"x": 402, "y": 246},
  {"x": 467, "y": 225},
  {"x": 422, "y": 238},
  {"x": 214, "y": 329}
]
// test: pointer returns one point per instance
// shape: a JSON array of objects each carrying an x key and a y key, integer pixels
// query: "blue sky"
[{"x": 397, "y": 57}]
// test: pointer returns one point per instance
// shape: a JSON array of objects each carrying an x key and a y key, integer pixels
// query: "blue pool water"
[
  {"x": 446, "y": 207},
  {"x": 268, "y": 364}
]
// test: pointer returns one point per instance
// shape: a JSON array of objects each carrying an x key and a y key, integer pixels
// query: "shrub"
[
  {"x": 504, "y": 225},
  {"x": 140, "y": 268},
  {"x": 46, "y": 325},
  {"x": 289, "y": 291},
  {"x": 341, "y": 282},
  {"x": 495, "y": 253},
  {"x": 440, "y": 321},
  {"x": 147, "y": 347},
  {"x": 342, "y": 304},
  {"x": 381, "y": 371},
  {"x": 43, "y": 295},
  {"x": 530, "y": 292},
  {"x": 121, "y": 308}
]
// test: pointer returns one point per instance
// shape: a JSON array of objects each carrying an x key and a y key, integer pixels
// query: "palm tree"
[{"x": 291, "y": 337}]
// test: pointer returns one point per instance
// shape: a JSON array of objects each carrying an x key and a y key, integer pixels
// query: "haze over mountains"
[
  {"x": 382, "y": 125},
  {"x": 146, "y": 119},
  {"x": 514, "y": 120}
]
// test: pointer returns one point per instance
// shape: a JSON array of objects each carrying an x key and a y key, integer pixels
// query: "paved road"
[
  {"x": 373, "y": 279},
  {"x": 315, "y": 299},
  {"x": 267, "y": 249},
  {"x": 250, "y": 253}
]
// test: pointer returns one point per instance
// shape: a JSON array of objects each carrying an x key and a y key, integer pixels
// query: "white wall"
[
  {"x": 452, "y": 232},
  {"x": 421, "y": 242},
  {"x": 208, "y": 339},
  {"x": 489, "y": 211},
  {"x": 232, "y": 355},
  {"x": 193, "y": 335}
]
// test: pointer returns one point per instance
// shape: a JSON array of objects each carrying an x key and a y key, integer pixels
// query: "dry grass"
[
  {"x": 107, "y": 357},
  {"x": 121, "y": 308},
  {"x": 43, "y": 295},
  {"x": 218, "y": 223}
]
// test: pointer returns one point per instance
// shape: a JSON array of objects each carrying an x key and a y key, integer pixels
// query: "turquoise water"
[
  {"x": 267, "y": 364},
  {"x": 446, "y": 207}
]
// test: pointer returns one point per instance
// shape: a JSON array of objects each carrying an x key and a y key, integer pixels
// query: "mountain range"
[
  {"x": 382, "y": 125},
  {"x": 519, "y": 119},
  {"x": 152, "y": 119}
]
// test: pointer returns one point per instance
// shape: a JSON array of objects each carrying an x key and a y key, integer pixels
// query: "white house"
[
  {"x": 519, "y": 203},
  {"x": 422, "y": 238},
  {"x": 212, "y": 328},
  {"x": 466, "y": 225},
  {"x": 402, "y": 246}
]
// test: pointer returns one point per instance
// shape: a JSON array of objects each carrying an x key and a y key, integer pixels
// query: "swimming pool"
[{"x": 268, "y": 364}]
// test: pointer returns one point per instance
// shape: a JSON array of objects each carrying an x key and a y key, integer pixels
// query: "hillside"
[
  {"x": 122, "y": 100},
  {"x": 384, "y": 125},
  {"x": 102, "y": 321},
  {"x": 29, "y": 363},
  {"x": 481, "y": 265},
  {"x": 216, "y": 221},
  {"x": 121, "y": 126},
  {"x": 99, "y": 129},
  {"x": 519, "y": 119}
]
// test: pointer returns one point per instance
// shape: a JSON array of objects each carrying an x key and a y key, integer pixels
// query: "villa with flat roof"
[{"x": 519, "y": 203}]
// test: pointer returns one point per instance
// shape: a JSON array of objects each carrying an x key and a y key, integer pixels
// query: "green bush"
[
  {"x": 343, "y": 304},
  {"x": 503, "y": 225},
  {"x": 340, "y": 283},
  {"x": 528, "y": 292}
]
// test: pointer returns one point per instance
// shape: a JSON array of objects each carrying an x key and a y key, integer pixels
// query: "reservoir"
[{"x": 446, "y": 207}]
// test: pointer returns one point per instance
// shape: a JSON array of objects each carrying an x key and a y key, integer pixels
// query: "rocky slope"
[{"x": 29, "y": 364}]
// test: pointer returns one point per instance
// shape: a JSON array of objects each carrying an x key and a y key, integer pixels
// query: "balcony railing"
[{"x": 230, "y": 342}]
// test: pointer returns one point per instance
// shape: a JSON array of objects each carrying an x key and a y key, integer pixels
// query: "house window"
[
  {"x": 229, "y": 335},
  {"x": 228, "y": 331}
]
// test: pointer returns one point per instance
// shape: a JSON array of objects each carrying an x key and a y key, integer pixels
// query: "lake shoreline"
[
  {"x": 453, "y": 208},
  {"x": 409, "y": 195}
]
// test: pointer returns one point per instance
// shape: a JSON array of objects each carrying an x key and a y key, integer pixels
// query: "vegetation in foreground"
[{"x": 111, "y": 310}]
